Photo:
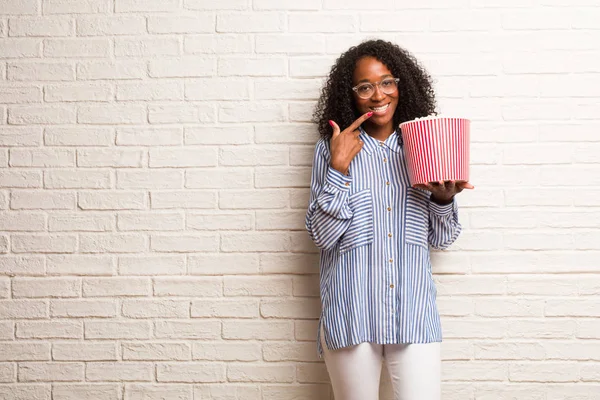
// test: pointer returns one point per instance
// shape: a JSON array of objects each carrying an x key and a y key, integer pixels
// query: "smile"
[{"x": 380, "y": 110}]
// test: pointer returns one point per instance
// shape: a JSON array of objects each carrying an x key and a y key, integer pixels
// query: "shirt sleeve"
[
  {"x": 444, "y": 227},
  {"x": 329, "y": 213}
]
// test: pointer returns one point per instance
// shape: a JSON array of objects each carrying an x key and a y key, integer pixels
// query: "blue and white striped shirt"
[{"x": 374, "y": 231}]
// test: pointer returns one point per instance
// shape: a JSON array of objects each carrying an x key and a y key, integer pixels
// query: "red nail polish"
[
  {"x": 331, "y": 123},
  {"x": 369, "y": 113}
]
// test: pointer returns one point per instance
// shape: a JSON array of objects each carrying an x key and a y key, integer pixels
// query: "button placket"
[{"x": 389, "y": 248}]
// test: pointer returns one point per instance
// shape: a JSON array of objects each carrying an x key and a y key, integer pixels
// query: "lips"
[{"x": 380, "y": 110}]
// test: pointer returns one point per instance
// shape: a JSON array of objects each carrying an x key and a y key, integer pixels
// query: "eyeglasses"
[{"x": 366, "y": 90}]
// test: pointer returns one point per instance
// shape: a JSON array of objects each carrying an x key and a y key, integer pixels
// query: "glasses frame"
[{"x": 375, "y": 85}]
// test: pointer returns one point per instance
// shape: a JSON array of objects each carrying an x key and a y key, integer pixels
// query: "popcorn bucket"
[{"x": 436, "y": 149}]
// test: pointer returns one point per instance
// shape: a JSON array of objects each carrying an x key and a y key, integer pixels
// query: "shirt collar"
[{"x": 393, "y": 142}]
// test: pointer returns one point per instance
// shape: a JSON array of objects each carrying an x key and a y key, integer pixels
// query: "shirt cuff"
[
  {"x": 338, "y": 180},
  {"x": 442, "y": 210}
]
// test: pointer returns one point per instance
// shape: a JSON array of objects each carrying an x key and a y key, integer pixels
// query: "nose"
[{"x": 378, "y": 94}]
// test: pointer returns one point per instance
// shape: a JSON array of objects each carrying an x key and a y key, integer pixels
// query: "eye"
[
  {"x": 364, "y": 89},
  {"x": 388, "y": 83}
]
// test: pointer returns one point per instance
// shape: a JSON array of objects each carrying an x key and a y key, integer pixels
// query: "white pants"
[{"x": 415, "y": 370}]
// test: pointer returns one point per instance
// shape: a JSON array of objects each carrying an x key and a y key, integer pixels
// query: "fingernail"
[
  {"x": 369, "y": 113},
  {"x": 331, "y": 123}
]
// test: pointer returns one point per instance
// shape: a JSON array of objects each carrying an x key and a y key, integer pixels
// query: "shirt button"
[
  {"x": 389, "y": 235},
  {"x": 391, "y": 260},
  {"x": 389, "y": 208},
  {"x": 392, "y": 286},
  {"x": 347, "y": 183},
  {"x": 385, "y": 160},
  {"x": 388, "y": 183}
]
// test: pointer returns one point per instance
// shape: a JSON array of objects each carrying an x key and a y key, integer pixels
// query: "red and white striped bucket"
[{"x": 436, "y": 149}]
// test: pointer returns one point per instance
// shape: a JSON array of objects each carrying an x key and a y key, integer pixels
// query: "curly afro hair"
[{"x": 416, "y": 99}]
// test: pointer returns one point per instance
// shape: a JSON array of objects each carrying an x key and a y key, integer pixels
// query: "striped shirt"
[{"x": 374, "y": 231}]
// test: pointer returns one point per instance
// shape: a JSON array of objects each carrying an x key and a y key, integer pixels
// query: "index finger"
[{"x": 354, "y": 126}]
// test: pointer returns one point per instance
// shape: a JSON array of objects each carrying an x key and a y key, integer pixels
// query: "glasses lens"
[
  {"x": 365, "y": 90},
  {"x": 388, "y": 85}
]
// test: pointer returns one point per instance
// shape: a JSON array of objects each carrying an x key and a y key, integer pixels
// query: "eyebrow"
[{"x": 380, "y": 78}]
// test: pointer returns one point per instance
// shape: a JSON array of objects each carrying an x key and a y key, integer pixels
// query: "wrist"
[{"x": 441, "y": 201}]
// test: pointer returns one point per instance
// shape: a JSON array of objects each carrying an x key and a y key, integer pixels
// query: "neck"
[{"x": 379, "y": 132}]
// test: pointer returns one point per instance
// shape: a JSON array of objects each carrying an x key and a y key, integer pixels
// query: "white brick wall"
[{"x": 154, "y": 170}]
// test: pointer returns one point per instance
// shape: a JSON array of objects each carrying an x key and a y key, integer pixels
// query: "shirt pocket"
[
  {"x": 361, "y": 231},
  {"x": 416, "y": 226}
]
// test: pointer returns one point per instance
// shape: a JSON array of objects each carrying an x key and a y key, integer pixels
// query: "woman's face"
[{"x": 383, "y": 106}]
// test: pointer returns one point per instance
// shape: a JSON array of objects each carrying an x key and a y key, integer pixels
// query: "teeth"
[{"x": 380, "y": 108}]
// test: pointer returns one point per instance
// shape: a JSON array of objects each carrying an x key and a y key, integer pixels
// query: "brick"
[
  {"x": 113, "y": 114},
  {"x": 222, "y": 264},
  {"x": 257, "y": 286},
  {"x": 225, "y": 308},
  {"x": 77, "y": 179},
  {"x": 199, "y": 23},
  {"x": 78, "y": 92},
  {"x": 42, "y": 158},
  {"x": 253, "y": 156},
  {"x": 184, "y": 243},
  {"x": 24, "y": 7},
  {"x": 250, "y": 23},
  {"x": 255, "y": 242},
  {"x": 151, "y": 47},
  {"x": 16, "y": 95},
  {"x": 183, "y": 199},
  {"x": 203, "y": 329},
  {"x": 44, "y": 243},
  {"x": 79, "y": 265},
  {"x": 25, "y": 115},
  {"x": 69, "y": 351},
  {"x": 77, "y": 48},
  {"x": 255, "y": 199},
  {"x": 23, "y": 309},
  {"x": 224, "y": 392},
  {"x": 188, "y": 287},
  {"x": 305, "y": 330},
  {"x": 310, "y": 67},
  {"x": 289, "y": 351},
  {"x": 220, "y": 221},
  {"x": 258, "y": 330},
  {"x": 76, "y": 6},
  {"x": 116, "y": 287},
  {"x": 46, "y": 287},
  {"x": 509, "y": 351},
  {"x": 218, "y": 135},
  {"x": 78, "y": 136},
  {"x": 7, "y": 330},
  {"x": 312, "y": 373},
  {"x": 8, "y": 373},
  {"x": 252, "y": 66},
  {"x": 149, "y": 91},
  {"x": 40, "y": 71},
  {"x": 571, "y": 307},
  {"x": 290, "y": 392},
  {"x": 156, "y": 308},
  {"x": 4, "y": 288},
  {"x": 26, "y": 392},
  {"x": 118, "y": 200},
  {"x": 117, "y": 329},
  {"x": 181, "y": 113},
  {"x": 157, "y": 351},
  {"x": 24, "y": 351},
  {"x": 150, "y": 222},
  {"x": 301, "y": 111},
  {"x": 289, "y": 263},
  {"x": 118, "y": 372},
  {"x": 150, "y": 179},
  {"x": 284, "y": 220},
  {"x": 142, "y": 136},
  {"x": 210, "y": 5},
  {"x": 541, "y": 286},
  {"x": 158, "y": 392},
  {"x": 217, "y": 89},
  {"x": 152, "y": 265},
  {"x": 291, "y": 133},
  {"x": 297, "y": 308},
  {"x": 218, "y": 44},
  {"x": 475, "y": 370},
  {"x": 183, "y": 67},
  {"x": 188, "y": 157},
  {"x": 19, "y": 221},
  {"x": 83, "y": 391},
  {"x": 109, "y": 70},
  {"x": 322, "y": 23},
  {"x": 20, "y": 48},
  {"x": 538, "y": 371},
  {"x": 51, "y": 372},
  {"x": 22, "y": 265},
  {"x": 113, "y": 25},
  {"x": 110, "y": 158},
  {"x": 260, "y": 373},
  {"x": 306, "y": 286},
  {"x": 191, "y": 372},
  {"x": 571, "y": 351},
  {"x": 112, "y": 243},
  {"x": 226, "y": 351},
  {"x": 470, "y": 285},
  {"x": 221, "y": 178},
  {"x": 145, "y": 5},
  {"x": 83, "y": 308},
  {"x": 20, "y": 136}
]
